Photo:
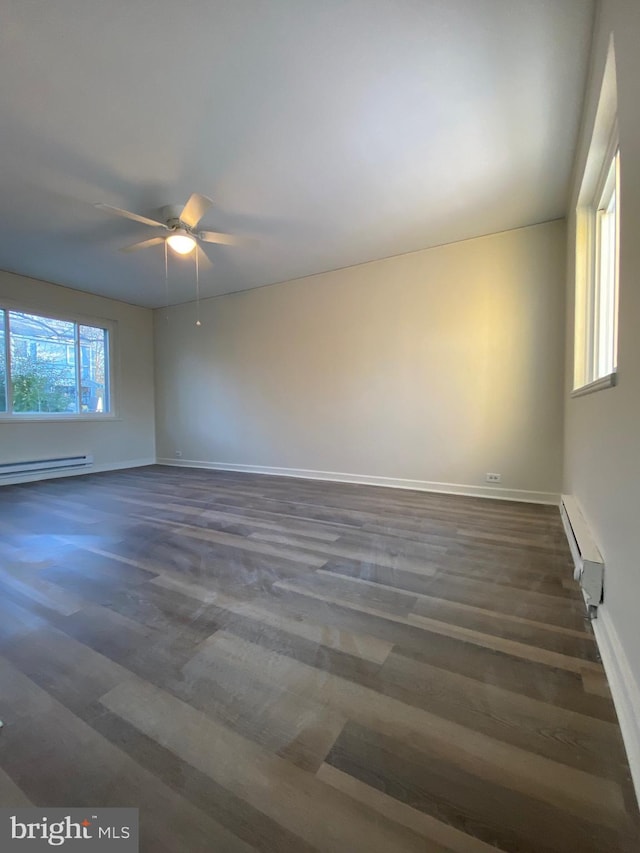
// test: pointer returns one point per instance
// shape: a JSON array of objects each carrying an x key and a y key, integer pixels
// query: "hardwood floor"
[{"x": 262, "y": 663}]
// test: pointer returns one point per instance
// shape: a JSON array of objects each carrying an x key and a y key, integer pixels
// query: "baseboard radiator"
[
  {"x": 37, "y": 466},
  {"x": 588, "y": 562}
]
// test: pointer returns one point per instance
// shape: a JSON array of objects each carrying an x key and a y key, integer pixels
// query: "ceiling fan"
[{"x": 182, "y": 226}]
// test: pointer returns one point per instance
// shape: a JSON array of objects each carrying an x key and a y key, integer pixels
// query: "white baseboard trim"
[
  {"x": 522, "y": 495},
  {"x": 77, "y": 472},
  {"x": 624, "y": 689}
]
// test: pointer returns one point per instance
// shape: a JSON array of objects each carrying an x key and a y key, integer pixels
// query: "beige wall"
[
  {"x": 602, "y": 435},
  {"x": 436, "y": 366},
  {"x": 130, "y": 438}
]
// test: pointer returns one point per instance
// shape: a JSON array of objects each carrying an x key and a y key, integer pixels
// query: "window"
[
  {"x": 605, "y": 296},
  {"x": 597, "y": 248},
  {"x": 54, "y": 367},
  {"x": 596, "y": 360}
]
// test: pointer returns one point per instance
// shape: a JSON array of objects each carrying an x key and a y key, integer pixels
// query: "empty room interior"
[{"x": 320, "y": 426}]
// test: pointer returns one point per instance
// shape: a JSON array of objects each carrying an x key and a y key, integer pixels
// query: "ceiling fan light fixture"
[{"x": 181, "y": 242}]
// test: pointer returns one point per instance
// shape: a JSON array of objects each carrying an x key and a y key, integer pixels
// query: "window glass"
[
  {"x": 596, "y": 329},
  {"x": 597, "y": 241},
  {"x": 607, "y": 276},
  {"x": 3, "y": 365},
  {"x": 43, "y": 375},
  {"x": 93, "y": 369},
  {"x": 52, "y": 366}
]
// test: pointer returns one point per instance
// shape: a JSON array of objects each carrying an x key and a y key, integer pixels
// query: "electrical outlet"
[
  {"x": 178, "y": 454},
  {"x": 493, "y": 478}
]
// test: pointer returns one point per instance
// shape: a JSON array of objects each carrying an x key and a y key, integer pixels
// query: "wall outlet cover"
[{"x": 493, "y": 478}]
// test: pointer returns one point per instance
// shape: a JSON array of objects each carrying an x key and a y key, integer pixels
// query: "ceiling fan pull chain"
[
  {"x": 166, "y": 283},
  {"x": 198, "y": 323}
]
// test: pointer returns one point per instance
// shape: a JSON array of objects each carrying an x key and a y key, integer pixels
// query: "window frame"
[
  {"x": 595, "y": 348},
  {"x": 605, "y": 318},
  {"x": 110, "y": 326},
  {"x": 590, "y": 318}
]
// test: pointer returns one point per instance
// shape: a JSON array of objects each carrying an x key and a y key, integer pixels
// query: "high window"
[
  {"x": 51, "y": 366},
  {"x": 597, "y": 248},
  {"x": 605, "y": 278}
]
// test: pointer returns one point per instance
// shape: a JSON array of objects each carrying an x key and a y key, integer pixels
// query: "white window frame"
[
  {"x": 80, "y": 320},
  {"x": 596, "y": 296},
  {"x": 607, "y": 273}
]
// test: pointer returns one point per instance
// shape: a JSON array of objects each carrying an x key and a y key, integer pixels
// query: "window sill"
[
  {"x": 53, "y": 419},
  {"x": 597, "y": 385}
]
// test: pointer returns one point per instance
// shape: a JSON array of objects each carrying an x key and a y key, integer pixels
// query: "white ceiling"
[{"x": 334, "y": 131}]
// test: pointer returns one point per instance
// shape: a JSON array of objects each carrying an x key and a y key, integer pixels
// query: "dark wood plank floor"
[{"x": 271, "y": 664}]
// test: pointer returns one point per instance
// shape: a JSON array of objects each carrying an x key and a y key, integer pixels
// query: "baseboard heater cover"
[
  {"x": 35, "y": 466},
  {"x": 588, "y": 562}
]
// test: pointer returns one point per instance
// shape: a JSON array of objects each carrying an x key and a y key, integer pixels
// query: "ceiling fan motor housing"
[{"x": 171, "y": 215}]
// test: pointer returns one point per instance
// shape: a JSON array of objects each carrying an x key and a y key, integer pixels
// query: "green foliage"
[{"x": 36, "y": 388}]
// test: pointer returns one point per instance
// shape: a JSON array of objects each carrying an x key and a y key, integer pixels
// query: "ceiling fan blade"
[
  {"x": 143, "y": 244},
  {"x": 195, "y": 209},
  {"x": 204, "y": 261},
  {"x": 128, "y": 215},
  {"x": 226, "y": 239}
]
